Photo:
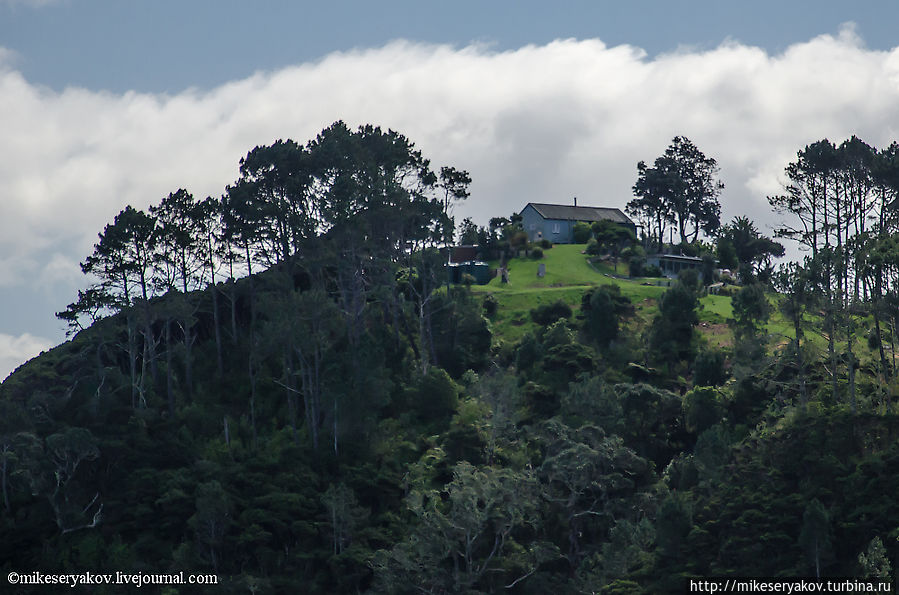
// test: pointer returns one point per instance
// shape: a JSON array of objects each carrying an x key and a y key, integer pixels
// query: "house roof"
[
  {"x": 676, "y": 257},
  {"x": 572, "y": 213}
]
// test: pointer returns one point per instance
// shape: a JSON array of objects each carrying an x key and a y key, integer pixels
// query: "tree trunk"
[
  {"x": 132, "y": 359},
  {"x": 169, "y": 381},
  {"x": 216, "y": 323},
  {"x": 803, "y": 393}
]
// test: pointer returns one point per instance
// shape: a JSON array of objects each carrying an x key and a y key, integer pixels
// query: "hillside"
[
  {"x": 278, "y": 389},
  {"x": 569, "y": 273}
]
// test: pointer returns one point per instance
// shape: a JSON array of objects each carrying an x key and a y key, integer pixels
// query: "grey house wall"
[{"x": 557, "y": 231}]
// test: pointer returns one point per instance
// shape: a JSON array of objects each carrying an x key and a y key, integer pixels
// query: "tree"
[
  {"x": 211, "y": 521},
  {"x": 751, "y": 247},
  {"x": 182, "y": 255},
  {"x": 807, "y": 191},
  {"x": 276, "y": 200},
  {"x": 681, "y": 187},
  {"x": 603, "y": 308},
  {"x": 463, "y": 532},
  {"x": 815, "y": 537},
  {"x": 123, "y": 262},
  {"x": 794, "y": 282},
  {"x": 468, "y": 232},
  {"x": 583, "y": 474},
  {"x": 344, "y": 515},
  {"x": 454, "y": 184},
  {"x": 671, "y": 334},
  {"x": 673, "y": 523},
  {"x": 874, "y": 561}
]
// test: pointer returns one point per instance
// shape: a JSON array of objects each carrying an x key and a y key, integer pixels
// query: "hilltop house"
[{"x": 556, "y": 222}]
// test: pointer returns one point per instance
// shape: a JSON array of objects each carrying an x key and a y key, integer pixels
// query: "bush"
[
  {"x": 636, "y": 265},
  {"x": 581, "y": 233},
  {"x": 548, "y": 313},
  {"x": 593, "y": 247},
  {"x": 546, "y": 244},
  {"x": 490, "y": 305},
  {"x": 537, "y": 253},
  {"x": 652, "y": 271},
  {"x": 602, "y": 308},
  {"x": 708, "y": 368},
  {"x": 690, "y": 278}
]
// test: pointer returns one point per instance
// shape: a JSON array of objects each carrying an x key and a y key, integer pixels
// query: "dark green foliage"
[
  {"x": 602, "y": 309},
  {"x": 460, "y": 334},
  {"x": 708, "y": 368},
  {"x": 702, "y": 409},
  {"x": 541, "y": 400},
  {"x": 708, "y": 269},
  {"x": 434, "y": 396},
  {"x": 672, "y": 333},
  {"x": 690, "y": 278},
  {"x": 749, "y": 247},
  {"x": 581, "y": 232},
  {"x": 815, "y": 536},
  {"x": 652, "y": 271},
  {"x": 528, "y": 352},
  {"x": 674, "y": 521},
  {"x": 549, "y": 313},
  {"x": 303, "y": 431},
  {"x": 727, "y": 254},
  {"x": 636, "y": 266},
  {"x": 545, "y": 244},
  {"x": 536, "y": 253},
  {"x": 751, "y": 308},
  {"x": 490, "y": 305},
  {"x": 680, "y": 188}
]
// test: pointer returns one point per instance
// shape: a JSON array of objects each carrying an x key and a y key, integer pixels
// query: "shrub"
[
  {"x": 652, "y": 271},
  {"x": 602, "y": 308},
  {"x": 546, "y": 244},
  {"x": 690, "y": 278},
  {"x": 490, "y": 305},
  {"x": 549, "y": 313},
  {"x": 593, "y": 247},
  {"x": 537, "y": 253},
  {"x": 708, "y": 368},
  {"x": 636, "y": 265},
  {"x": 581, "y": 233}
]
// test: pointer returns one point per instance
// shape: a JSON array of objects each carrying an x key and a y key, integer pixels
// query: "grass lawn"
[{"x": 569, "y": 275}]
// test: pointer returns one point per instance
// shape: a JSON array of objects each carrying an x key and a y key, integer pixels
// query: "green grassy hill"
[{"x": 569, "y": 273}]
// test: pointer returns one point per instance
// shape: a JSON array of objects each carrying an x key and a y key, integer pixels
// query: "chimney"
[{"x": 575, "y": 201}]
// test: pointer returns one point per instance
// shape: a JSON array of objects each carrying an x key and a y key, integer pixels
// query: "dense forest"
[{"x": 281, "y": 387}]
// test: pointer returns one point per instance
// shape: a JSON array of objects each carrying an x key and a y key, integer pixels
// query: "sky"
[{"x": 106, "y": 103}]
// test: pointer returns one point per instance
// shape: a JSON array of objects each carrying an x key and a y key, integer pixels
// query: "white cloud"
[
  {"x": 541, "y": 123},
  {"x": 16, "y": 350}
]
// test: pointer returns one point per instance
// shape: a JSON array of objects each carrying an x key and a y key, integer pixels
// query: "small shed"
[{"x": 477, "y": 269}]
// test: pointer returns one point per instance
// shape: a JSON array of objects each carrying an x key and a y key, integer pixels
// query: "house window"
[{"x": 556, "y": 228}]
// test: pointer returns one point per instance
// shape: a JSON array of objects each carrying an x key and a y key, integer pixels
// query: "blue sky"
[
  {"x": 105, "y": 103},
  {"x": 170, "y": 45}
]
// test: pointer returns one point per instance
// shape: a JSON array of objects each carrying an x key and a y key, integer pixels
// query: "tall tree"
[
  {"x": 122, "y": 260},
  {"x": 681, "y": 187},
  {"x": 751, "y": 247}
]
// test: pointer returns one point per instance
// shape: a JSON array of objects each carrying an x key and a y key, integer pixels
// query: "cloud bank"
[{"x": 540, "y": 123}]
